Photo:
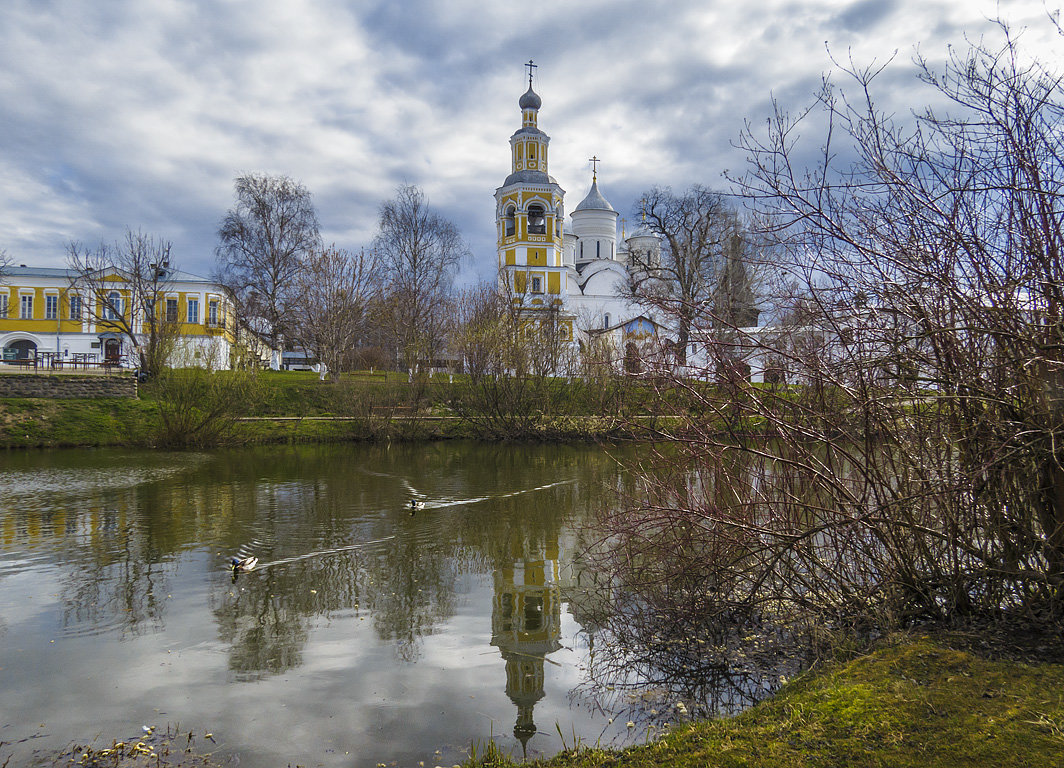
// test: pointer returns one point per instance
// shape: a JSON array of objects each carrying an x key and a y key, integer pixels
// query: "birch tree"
[
  {"x": 335, "y": 290},
  {"x": 263, "y": 241},
  {"x": 418, "y": 252},
  {"x": 122, "y": 287}
]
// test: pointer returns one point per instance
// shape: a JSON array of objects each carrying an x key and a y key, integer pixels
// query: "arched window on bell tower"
[
  {"x": 509, "y": 222},
  {"x": 537, "y": 220}
]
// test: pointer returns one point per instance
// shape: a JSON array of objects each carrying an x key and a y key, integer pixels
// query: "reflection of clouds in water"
[{"x": 131, "y": 471}]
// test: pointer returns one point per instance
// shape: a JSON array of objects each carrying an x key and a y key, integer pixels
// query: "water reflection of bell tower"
[{"x": 525, "y": 626}]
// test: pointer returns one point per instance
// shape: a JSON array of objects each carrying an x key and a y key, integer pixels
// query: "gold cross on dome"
[
  {"x": 531, "y": 66},
  {"x": 594, "y": 167}
]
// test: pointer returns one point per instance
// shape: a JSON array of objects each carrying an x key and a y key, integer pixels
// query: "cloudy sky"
[{"x": 139, "y": 113}]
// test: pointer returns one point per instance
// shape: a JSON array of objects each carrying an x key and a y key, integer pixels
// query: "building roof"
[
  {"x": 643, "y": 232},
  {"x": 528, "y": 130},
  {"x": 594, "y": 201},
  {"x": 528, "y": 177},
  {"x": 175, "y": 275}
]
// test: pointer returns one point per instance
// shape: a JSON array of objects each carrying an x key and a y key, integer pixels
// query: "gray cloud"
[{"x": 118, "y": 114}]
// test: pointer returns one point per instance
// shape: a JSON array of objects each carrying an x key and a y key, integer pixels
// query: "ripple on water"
[
  {"x": 25, "y": 561},
  {"x": 125, "y": 471}
]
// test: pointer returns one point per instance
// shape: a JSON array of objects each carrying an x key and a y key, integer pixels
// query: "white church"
[{"x": 571, "y": 273}]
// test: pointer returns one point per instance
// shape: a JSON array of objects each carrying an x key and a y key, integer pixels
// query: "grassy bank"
[
  {"x": 913, "y": 703},
  {"x": 45, "y": 423},
  {"x": 296, "y": 407}
]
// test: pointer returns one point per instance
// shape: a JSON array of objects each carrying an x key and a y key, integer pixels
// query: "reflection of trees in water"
[
  {"x": 118, "y": 549},
  {"x": 664, "y": 593},
  {"x": 406, "y": 583},
  {"x": 265, "y": 622},
  {"x": 113, "y": 574},
  {"x": 265, "y": 616},
  {"x": 411, "y": 589},
  {"x": 652, "y": 665},
  {"x": 113, "y": 540}
]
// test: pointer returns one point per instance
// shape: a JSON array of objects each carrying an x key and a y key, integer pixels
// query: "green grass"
[
  {"x": 39, "y": 422},
  {"x": 915, "y": 704},
  {"x": 558, "y": 410}
]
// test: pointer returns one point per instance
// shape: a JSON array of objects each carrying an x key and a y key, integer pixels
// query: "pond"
[{"x": 368, "y": 633}]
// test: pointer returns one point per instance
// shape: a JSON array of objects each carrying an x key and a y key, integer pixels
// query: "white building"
[{"x": 49, "y": 317}]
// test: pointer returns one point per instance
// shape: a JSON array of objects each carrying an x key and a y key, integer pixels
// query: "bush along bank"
[{"x": 195, "y": 408}]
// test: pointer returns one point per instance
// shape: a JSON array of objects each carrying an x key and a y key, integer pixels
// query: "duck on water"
[{"x": 243, "y": 564}]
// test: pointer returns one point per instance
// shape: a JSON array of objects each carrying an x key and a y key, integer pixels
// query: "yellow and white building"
[
  {"x": 44, "y": 318},
  {"x": 574, "y": 272},
  {"x": 571, "y": 273}
]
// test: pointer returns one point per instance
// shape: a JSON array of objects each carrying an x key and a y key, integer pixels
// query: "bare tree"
[
  {"x": 703, "y": 278},
  {"x": 912, "y": 468},
  {"x": 479, "y": 314},
  {"x": 419, "y": 252},
  {"x": 263, "y": 241},
  {"x": 335, "y": 289},
  {"x": 122, "y": 287}
]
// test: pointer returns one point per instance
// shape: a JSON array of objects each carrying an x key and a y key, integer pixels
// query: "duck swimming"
[
  {"x": 415, "y": 505},
  {"x": 243, "y": 564}
]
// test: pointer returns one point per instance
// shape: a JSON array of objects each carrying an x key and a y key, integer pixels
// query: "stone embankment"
[{"x": 62, "y": 386}]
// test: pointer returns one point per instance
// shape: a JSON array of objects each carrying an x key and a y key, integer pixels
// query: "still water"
[{"x": 366, "y": 634}]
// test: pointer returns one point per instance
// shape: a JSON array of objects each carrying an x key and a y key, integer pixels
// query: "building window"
[
  {"x": 212, "y": 313},
  {"x": 193, "y": 310},
  {"x": 51, "y": 307},
  {"x": 605, "y": 321},
  {"x": 25, "y": 308},
  {"x": 581, "y": 249},
  {"x": 510, "y": 224},
  {"x": 113, "y": 306},
  {"x": 537, "y": 220},
  {"x": 598, "y": 249},
  {"x": 75, "y": 307},
  {"x": 3, "y": 305},
  {"x": 171, "y": 310},
  {"x": 537, "y": 284}
]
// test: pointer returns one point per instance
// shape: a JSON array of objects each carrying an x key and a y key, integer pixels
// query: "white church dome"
[{"x": 594, "y": 201}]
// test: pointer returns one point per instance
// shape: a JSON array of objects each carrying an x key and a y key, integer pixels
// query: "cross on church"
[
  {"x": 531, "y": 67},
  {"x": 594, "y": 167}
]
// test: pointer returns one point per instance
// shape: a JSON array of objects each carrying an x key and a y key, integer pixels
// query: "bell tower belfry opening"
[{"x": 529, "y": 211}]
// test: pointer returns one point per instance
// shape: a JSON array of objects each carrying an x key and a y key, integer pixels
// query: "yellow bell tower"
[{"x": 529, "y": 210}]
